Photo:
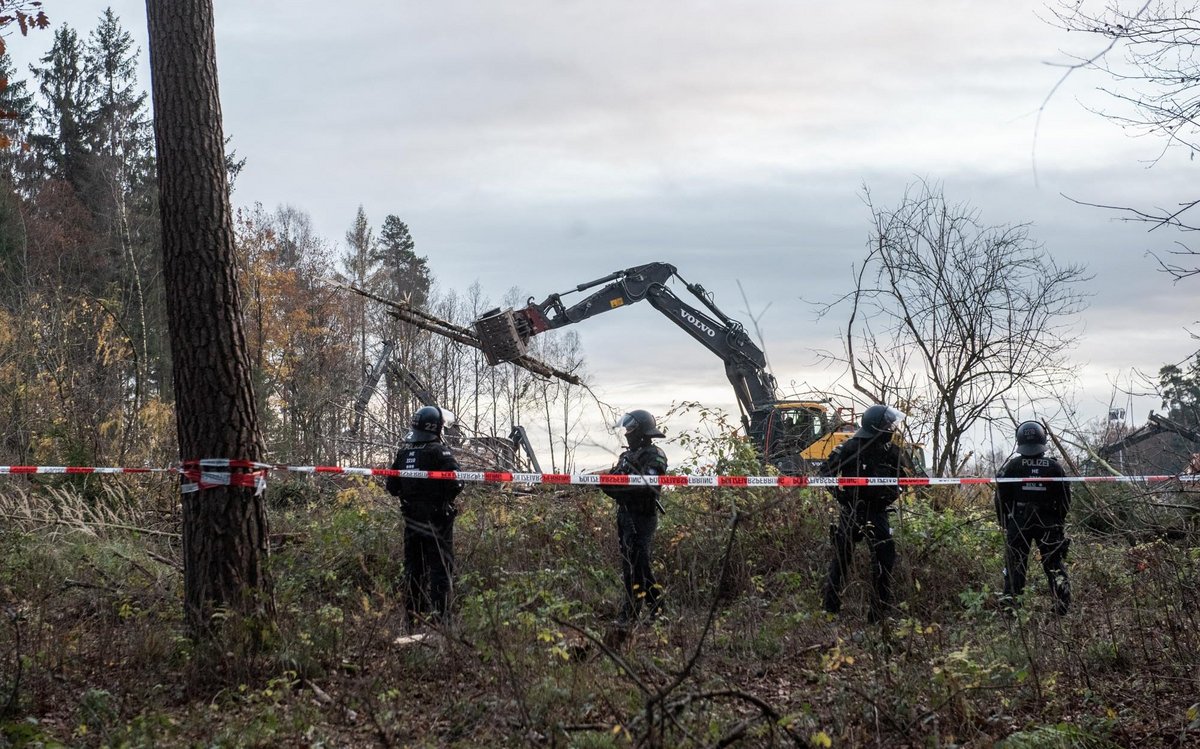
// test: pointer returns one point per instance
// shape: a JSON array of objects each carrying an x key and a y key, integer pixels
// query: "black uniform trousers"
[
  {"x": 1026, "y": 525},
  {"x": 855, "y": 522},
  {"x": 635, "y": 533},
  {"x": 428, "y": 558}
]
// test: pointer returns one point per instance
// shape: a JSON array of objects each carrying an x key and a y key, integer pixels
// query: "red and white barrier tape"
[
  {"x": 589, "y": 479},
  {"x": 21, "y": 470},
  {"x": 213, "y": 472}
]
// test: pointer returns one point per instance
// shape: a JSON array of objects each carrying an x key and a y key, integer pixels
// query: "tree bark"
[{"x": 225, "y": 528}]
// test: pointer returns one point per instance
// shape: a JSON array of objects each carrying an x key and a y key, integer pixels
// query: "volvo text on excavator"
[{"x": 793, "y": 435}]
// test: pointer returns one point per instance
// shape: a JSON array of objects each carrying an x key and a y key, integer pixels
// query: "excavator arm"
[
  {"x": 619, "y": 289},
  {"x": 368, "y": 388},
  {"x": 745, "y": 363},
  {"x": 504, "y": 333}
]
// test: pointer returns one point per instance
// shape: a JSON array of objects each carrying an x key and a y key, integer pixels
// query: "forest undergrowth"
[{"x": 93, "y": 651}]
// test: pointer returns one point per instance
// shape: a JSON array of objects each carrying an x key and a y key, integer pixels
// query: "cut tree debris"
[{"x": 421, "y": 319}]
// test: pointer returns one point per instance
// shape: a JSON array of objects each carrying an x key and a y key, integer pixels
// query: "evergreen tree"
[
  {"x": 360, "y": 267},
  {"x": 225, "y": 534},
  {"x": 119, "y": 126},
  {"x": 1181, "y": 391},
  {"x": 117, "y": 186},
  {"x": 360, "y": 249},
  {"x": 17, "y": 102},
  {"x": 402, "y": 273},
  {"x": 62, "y": 129}
]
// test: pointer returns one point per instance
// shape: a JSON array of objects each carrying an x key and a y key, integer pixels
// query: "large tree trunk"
[{"x": 224, "y": 529}]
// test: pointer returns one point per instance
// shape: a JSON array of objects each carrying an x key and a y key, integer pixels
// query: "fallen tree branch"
[{"x": 421, "y": 319}]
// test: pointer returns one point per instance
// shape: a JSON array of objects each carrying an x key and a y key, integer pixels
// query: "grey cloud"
[{"x": 547, "y": 143}]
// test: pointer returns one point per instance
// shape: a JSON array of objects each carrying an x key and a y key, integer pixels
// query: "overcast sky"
[{"x": 540, "y": 144}]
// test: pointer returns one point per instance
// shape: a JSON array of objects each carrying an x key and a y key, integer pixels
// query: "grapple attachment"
[{"x": 499, "y": 336}]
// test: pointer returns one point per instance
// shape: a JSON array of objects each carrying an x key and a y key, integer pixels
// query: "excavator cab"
[{"x": 797, "y": 436}]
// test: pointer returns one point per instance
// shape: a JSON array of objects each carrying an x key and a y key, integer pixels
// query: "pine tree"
[
  {"x": 225, "y": 533},
  {"x": 402, "y": 273}
]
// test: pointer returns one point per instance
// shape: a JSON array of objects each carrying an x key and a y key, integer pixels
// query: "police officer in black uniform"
[
  {"x": 870, "y": 452},
  {"x": 429, "y": 511},
  {"x": 637, "y": 513},
  {"x": 1033, "y": 512}
]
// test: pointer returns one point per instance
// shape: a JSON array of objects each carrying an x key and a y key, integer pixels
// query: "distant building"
[{"x": 1160, "y": 446}]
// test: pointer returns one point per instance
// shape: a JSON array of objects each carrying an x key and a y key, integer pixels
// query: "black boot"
[
  {"x": 1061, "y": 590},
  {"x": 831, "y": 600}
]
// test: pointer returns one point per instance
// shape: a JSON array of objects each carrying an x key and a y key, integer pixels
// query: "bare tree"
[
  {"x": 224, "y": 528},
  {"x": 1148, "y": 53},
  {"x": 560, "y": 402},
  {"x": 949, "y": 315}
]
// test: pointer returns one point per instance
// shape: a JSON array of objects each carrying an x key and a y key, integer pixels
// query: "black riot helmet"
[
  {"x": 427, "y": 424},
  {"x": 638, "y": 426},
  {"x": 879, "y": 419},
  {"x": 1031, "y": 438}
]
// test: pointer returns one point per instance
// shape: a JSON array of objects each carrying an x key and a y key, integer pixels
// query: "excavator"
[{"x": 795, "y": 436}]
